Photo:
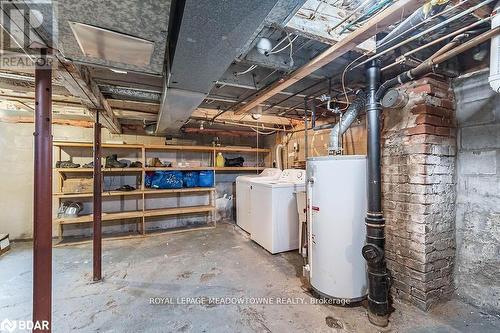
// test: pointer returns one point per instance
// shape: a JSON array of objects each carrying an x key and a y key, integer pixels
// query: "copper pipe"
[
  {"x": 42, "y": 210},
  {"x": 97, "y": 205}
]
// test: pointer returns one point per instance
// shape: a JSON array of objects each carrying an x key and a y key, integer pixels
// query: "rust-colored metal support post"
[
  {"x": 42, "y": 210},
  {"x": 97, "y": 196}
]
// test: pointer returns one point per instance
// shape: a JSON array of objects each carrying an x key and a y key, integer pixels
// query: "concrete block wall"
[
  {"x": 16, "y": 169},
  {"x": 418, "y": 185},
  {"x": 477, "y": 267}
]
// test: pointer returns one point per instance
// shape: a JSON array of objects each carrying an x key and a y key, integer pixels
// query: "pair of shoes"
[
  {"x": 136, "y": 164},
  {"x": 66, "y": 164},
  {"x": 155, "y": 162},
  {"x": 125, "y": 188},
  {"x": 112, "y": 162}
]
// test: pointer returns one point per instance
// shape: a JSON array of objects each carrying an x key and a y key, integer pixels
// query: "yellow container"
[{"x": 219, "y": 160}]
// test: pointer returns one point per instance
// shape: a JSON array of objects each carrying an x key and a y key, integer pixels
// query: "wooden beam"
[
  {"x": 377, "y": 23},
  {"x": 479, "y": 13},
  {"x": 55, "y": 121},
  {"x": 207, "y": 114},
  {"x": 219, "y": 132},
  {"x": 80, "y": 84}
]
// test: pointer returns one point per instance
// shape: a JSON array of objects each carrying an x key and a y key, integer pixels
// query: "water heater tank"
[
  {"x": 337, "y": 199},
  {"x": 495, "y": 52}
]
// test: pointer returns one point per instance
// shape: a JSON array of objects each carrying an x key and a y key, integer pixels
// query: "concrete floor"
[{"x": 205, "y": 263}]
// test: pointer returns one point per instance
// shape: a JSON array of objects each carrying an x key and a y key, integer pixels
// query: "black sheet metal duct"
[{"x": 210, "y": 36}]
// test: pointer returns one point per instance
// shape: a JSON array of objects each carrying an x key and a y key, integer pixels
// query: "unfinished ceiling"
[{"x": 208, "y": 56}]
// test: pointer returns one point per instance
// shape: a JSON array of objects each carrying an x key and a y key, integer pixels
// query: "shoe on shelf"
[
  {"x": 125, "y": 188},
  {"x": 155, "y": 162},
  {"x": 126, "y": 162},
  {"x": 66, "y": 164},
  {"x": 136, "y": 164},
  {"x": 112, "y": 162},
  {"x": 88, "y": 165}
]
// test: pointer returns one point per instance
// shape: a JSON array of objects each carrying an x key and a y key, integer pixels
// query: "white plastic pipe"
[{"x": 279, "y": 158}]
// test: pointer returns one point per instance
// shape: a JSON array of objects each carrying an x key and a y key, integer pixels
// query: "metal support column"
[
  {"x": 97, "y": 196},
  {"x": 373, "y": 251},
  {"x": 306, "y": 139},
  {"x": 42, "y": 210}
]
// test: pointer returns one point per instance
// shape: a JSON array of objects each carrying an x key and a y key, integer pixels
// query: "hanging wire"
[{"x": 251, "y": 68}]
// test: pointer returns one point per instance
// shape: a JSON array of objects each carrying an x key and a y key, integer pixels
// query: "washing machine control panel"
[{"x": 293, "y": 176}]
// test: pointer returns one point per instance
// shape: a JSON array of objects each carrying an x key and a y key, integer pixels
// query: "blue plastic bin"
[
  {"x": 206, "y": 178},
  {"x": 190, "y": 178},
  {"x": 167, "y": 180}
]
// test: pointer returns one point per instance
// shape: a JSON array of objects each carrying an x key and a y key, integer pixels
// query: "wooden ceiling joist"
[
  {"x": 377, "y": 23},
  {"x": 208, "y": 114},
  {"x": 80, "y": 84}
]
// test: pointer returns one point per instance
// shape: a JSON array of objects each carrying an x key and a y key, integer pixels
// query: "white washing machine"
[
  {"x": 273, "y": 211},
  {"x": 243, "y": 195}
]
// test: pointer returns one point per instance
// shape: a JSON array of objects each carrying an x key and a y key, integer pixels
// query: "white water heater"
[{"x": 337, "y": 208}]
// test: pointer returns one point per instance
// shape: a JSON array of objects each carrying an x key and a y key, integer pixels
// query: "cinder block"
[
  {"x": 480, "y": 137},
  {"x": 477, "y": 162}
]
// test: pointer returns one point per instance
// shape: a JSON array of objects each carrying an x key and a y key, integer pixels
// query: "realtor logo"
[
  {"x": 7, "y": 325},
  {"x": 27, "y": 26}
]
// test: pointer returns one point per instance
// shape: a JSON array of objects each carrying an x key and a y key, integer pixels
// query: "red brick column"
[{"x": 418, "y": 185}]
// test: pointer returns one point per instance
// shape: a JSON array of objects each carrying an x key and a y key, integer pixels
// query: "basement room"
[{"x": 250, "y": 166}]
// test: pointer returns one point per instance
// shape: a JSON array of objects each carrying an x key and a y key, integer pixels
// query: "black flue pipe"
[{"x": 373, "y": 251}]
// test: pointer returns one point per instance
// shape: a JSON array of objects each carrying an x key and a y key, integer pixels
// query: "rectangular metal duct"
[{"x": 211, "y": 34}]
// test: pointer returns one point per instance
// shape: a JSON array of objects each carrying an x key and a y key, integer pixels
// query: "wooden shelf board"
[
  {"x": 90, "y": 145},
  {"x": 178, "y": 168},
  {"x": 90, "y": 170},
  {"x": 178, "y": 210},
  {"x": 136, "y": 192},
  {"x": 105, "y": 217},
  {"x": 179, "y": 147},
  {"x": 180, "y": 190},
  {"x": 163, "y": 147},
  {"x": 104, "y": 194},
  {"x": 135, "y": 214},
  {"x": 239, "y": 168},
  {"x": 242, "y": 150}
]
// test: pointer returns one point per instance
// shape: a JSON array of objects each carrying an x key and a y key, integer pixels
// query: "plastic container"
[
  {"x": 190, "y": 178},
  {"x": 206, "y": 178},
  {"x": 167, "y": 180},
  {"x": 219, "y": 160}
]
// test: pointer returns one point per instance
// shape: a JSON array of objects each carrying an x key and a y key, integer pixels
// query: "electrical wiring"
[
  {"x": 262, "y": 133},
  {"x": 290, "y": 41},
  {"x": 343, "y": 81},
  {"x": 251, "y": 68}
]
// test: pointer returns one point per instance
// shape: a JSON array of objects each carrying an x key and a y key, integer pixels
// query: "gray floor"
[{"x": 205, "y": 263}]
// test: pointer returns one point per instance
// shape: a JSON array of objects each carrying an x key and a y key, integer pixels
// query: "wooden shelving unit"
[{"x": 140, "y": 216}]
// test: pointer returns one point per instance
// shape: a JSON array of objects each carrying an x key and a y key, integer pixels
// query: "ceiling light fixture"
[{"x": 258, "y": 113}]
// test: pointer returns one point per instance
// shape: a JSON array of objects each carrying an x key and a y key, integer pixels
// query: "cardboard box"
[{"x": 78, "y": 185}]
